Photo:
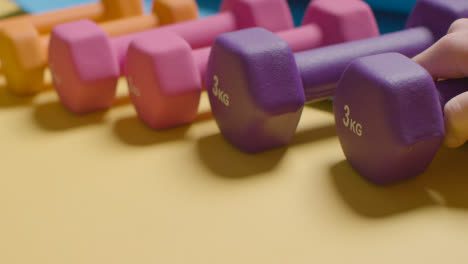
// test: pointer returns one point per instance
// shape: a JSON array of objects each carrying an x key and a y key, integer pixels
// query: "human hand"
[{"x": 448, "y": 59}]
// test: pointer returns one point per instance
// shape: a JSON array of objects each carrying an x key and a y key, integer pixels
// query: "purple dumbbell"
[
  {"x": 258, "y": 87},
  {"x": 389, "y": 116},
  {"x": 163, "y": 99}
]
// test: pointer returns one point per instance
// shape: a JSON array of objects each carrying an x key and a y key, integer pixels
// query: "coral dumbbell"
[
  {"x": 268, "y": 87},
  {"x": 85, "y": 87},
  {"x": 389, "y": 116},
  {"x": 163, "y": 99},
  {"x": 24, "y": 52}
]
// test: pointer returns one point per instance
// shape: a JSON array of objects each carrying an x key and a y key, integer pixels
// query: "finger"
[
  {"x": 448, "y": 58},
  {"x": 456, "y": 121},
  {"x": 459, "y": 25}
]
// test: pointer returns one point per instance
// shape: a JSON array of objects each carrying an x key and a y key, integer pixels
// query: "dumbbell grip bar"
[
  {"x": 301, "y": 38},
  {"x": 131, "y": 24},
  {"x": 321, "y": 69},
  {"x": 46, "y": 21},
  {"x": 212, "y": 26}
]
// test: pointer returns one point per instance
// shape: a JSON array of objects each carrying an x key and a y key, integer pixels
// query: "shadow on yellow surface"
[
  {"x": 8, "y": 100},
  {"x": 132, "y": 131},
  {"x": 324, "y": 106},
  {"x": 52, "y": 116},
  {"x": 225, "y": 160},
  {"x": 313, "y": 135},
  {"x": 445, "y": 183}
]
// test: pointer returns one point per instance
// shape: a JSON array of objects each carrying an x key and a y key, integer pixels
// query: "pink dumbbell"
[
  {"x": 165, "y": 78},
  {"x": 86, "y": 63}
]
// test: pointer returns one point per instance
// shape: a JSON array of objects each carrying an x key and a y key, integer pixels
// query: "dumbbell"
[
  {"x": 84, "y": 87},
  {"x": 163, "y": 99},
  {"x": 101, "y": 11},
  {"x": 267, "y": 87},
  {"x": 24, "y": 52},
  {"x": 389, "y": 116}
]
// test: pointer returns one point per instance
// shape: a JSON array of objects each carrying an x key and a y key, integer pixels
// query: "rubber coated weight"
[
  {"x": 163, "y": 99},
  {"x": 389, "y": 118},
  {"x": 101, "y": 11},
  {"x": 268, "y": 87},
  {"x": 25, "y": 27},
  {"x": 83, "y": 89},
  {"x": 24, "y": 52}
]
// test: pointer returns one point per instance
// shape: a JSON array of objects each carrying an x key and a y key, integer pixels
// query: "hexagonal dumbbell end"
[
  {"x": 255, "y": 89},
  {"x": 388, "y": 117},
  {"x": 437, "y": 15},
  {"x": 92, "y": 76},
  {"x": 342, "y": 20},
  {"x": 163, "y": 79},
  {"x": 22, "y": 55}
]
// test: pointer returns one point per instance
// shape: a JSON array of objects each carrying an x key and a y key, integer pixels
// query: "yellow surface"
[{"x": 105, "y": 189}]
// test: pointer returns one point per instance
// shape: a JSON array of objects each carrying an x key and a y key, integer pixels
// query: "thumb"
[
  {"x": 459, "y": 25},
  {"x": 456, "y": 121}
]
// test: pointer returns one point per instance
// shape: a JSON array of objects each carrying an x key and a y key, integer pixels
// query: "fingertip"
[
  {"x": 451, "y": 141},
  {"x": 456, "y": 121},
  {"x": 459, "y": 25},
  {"x": 447, "y": 58}
]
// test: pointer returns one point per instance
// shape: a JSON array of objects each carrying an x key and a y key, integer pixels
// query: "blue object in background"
[
  {"x": 388, "y": 21},
  {"x": 398, "y": 6}
]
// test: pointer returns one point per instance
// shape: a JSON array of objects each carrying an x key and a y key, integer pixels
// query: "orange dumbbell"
[
  {"x": 23, "y": 51},
  {"x": 104, "y": 10}
]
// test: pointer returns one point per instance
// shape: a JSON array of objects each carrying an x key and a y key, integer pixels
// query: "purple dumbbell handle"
[
  {"x": 190, "y": 31},
  {"x": 321, "y": 69},
  {"x": 448, "y": 89}
]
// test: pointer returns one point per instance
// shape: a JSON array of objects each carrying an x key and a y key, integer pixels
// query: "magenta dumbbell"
[
  {"x": 389, "y": 116},
  {"x": 164, "y": 99},
  {"x": 266, "y": 85},
  {"x": 86, "y": 63}
]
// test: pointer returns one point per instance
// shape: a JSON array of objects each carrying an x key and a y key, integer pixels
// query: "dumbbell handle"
[
  {"x": 321, "y": 69},
  {"x": 132, "y": 24},
  {"x": 300, "y": 38},
  {"x": 46, "y": 21},
  {"x": 190, "y": 31},
  {"x": 211, "y": 27}
]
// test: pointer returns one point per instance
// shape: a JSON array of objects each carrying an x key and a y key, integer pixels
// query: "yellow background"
[{"x": 103, "y": 188}]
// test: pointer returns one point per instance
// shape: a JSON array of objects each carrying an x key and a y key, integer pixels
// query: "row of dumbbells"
[{"x": 388, "y": 111}]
